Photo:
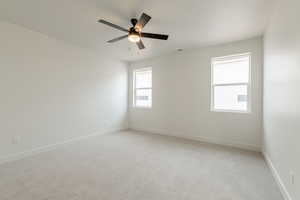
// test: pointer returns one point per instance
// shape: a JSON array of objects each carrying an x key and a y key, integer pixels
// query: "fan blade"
[
  {"x": 117, "y": 39},
  {"x": 144, "y": 19},
  {"x": 113, "y": 25},
  {"x": 140, "y": 44},
  {"x": 154, "y": 36}
]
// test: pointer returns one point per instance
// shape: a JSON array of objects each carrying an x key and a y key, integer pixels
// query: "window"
[
  {"x": 142, "y": 83},
  {"x": 230, "y": 89}
]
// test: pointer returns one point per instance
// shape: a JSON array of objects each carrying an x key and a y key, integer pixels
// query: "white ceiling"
[{"x": 190, "y": 23}]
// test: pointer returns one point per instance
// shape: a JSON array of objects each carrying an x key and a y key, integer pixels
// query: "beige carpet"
[{"x": 136, "y": 166}]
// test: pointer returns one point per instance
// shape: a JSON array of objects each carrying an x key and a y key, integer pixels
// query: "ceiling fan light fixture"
[{"x": 134, "y": 37}]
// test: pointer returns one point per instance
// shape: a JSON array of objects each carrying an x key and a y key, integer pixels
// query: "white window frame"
[
  {"x": 249, "y": 89},
  {"x": 134, "y": 87}
]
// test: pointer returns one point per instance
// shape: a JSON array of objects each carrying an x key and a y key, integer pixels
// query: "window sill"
[
  {"x": 231, "y": 111},
  {"x": 141, "y": 107}
]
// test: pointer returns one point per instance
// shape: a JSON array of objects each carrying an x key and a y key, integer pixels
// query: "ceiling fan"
[{"x": 134, "y": 34}]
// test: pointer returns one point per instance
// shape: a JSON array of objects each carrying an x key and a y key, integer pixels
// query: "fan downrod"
[{"x": 134, "y": 21}]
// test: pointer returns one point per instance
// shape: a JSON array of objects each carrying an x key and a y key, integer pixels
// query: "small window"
[
  {"x": 231, "y": 83},
  {"x": 142, "y": 83}
]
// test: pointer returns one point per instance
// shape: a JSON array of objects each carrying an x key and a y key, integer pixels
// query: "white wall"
[
  {"x": 282, "y": 93},
  {"x": 51, "y": 91},
  {"x": 181, "y": 98}
]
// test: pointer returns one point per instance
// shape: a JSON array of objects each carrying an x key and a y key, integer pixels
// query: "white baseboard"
[
  {"x": 31, "y": 152},
  {"x": 201, "y": 139},
  {"x": 277, "y": 178}
]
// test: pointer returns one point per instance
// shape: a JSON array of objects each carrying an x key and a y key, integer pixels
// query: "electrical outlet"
[{"x": 292, "y": 178}]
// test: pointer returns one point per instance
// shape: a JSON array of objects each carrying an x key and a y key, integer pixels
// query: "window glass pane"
[
  {"x": 231, "y": 70},
  {"x": 143, "y": 79},
  {"x": 143, "y": 97},
  {"x": 232, "y": 97}
]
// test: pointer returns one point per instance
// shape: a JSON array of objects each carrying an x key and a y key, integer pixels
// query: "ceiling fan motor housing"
[{"x": 133, "y": 31}]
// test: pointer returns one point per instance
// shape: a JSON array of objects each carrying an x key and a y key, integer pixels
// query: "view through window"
[
  {"x": 142, "y": 81},
  {"x": 231, "y": 83}
]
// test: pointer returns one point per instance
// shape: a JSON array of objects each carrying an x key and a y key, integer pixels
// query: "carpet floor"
[{"x": 137, "y": 166}]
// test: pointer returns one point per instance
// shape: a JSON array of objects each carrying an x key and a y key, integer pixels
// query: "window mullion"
[{"x": 134, "y": 96}]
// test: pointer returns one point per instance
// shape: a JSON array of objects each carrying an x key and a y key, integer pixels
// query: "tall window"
[
  {"x": 142, "y": 83},
  {"x": 231, "y": 83}
]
